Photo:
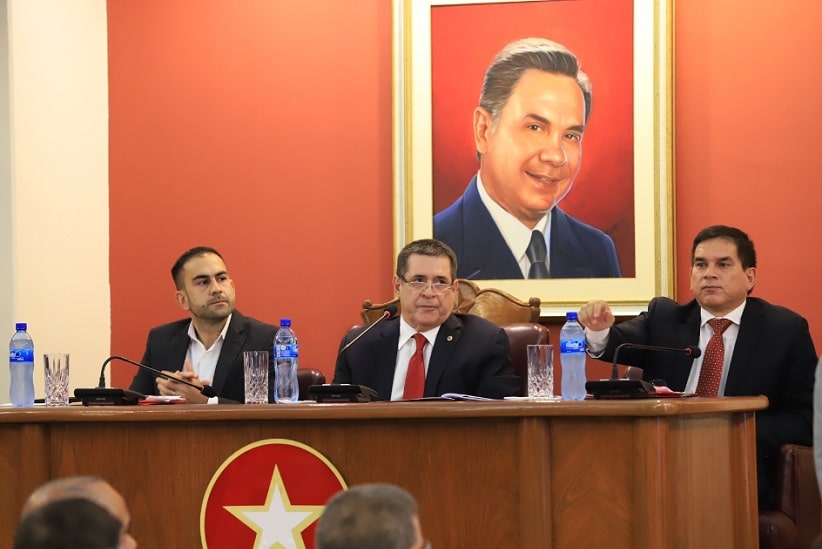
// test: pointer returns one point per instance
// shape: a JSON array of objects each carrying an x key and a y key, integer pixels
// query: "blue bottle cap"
[
  {"x": 21, "y": 326},
  {"x": 570, "y": 316},
  {"x": 285, "y": 322}
]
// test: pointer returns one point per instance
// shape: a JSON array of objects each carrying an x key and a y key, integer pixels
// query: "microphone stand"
[{"x": 616, "y": 388}]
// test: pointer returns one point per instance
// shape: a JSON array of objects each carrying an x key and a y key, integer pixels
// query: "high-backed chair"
[
  {"x": 495, "y": 305},
  {"x": 306, "y": 377},
  {"x": 520, "y": 335},
  {"x": 796, "y": 521}
]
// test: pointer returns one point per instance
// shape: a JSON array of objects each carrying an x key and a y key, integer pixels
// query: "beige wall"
[{"x": 54, "y": 188}]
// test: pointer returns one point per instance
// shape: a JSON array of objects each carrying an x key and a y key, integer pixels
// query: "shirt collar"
[
  {"x": 516, "y": 235},
  {"x": 407, "y": 332},
  {"x": 734, "y": 316},
  {"x": 192, "y": 333}
]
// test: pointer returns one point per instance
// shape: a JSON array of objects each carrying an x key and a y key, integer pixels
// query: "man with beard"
[{"x": 207, "y": 348}]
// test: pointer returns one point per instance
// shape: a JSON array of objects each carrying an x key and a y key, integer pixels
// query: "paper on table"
[
  {"x": 158, "y": 399},
  {"x": 461, "y": 396},
  {"x": 662, "y": 391}
]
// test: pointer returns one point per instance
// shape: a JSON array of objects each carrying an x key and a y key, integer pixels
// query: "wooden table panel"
[{"x": 496, "y": 474}]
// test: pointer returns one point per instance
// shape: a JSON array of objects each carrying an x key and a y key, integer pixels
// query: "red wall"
[{"x": 241, "y": 124}]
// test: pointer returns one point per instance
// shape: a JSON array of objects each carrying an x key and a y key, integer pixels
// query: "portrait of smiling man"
[
  {"x": 528, "y": 131},
  {"x": 428, "y": 349},
  {"x": 206, "y": 348}
]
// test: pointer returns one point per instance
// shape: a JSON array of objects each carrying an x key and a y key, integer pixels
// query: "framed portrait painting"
[{"x": 498, "y": 138}]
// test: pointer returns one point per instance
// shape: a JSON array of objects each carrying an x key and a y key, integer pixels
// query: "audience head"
[
  {"x": 91, "y": 488},
  {"x": 723, "y": 268},
  {"x": 425, "y": 282},
  {"x": 370, "y": 516},
  {"x": 70, "y": 523},
  {"x": 204, "y": 288}
]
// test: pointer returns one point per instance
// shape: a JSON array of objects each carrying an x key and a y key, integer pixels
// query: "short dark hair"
[
  {"x": 368, "y": 516},
  {"x": 529, "y": 53},
  {"x": 744, "y": 245},
  {"x": 429, "y": 247},
  {"x": 177, "y": 268},
  {"x": 70, "y": 523}
]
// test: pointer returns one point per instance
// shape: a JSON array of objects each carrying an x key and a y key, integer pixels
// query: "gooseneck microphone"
[
  {"x": 331, "y": 392},
  {"x": 691, "y": 351},
  {"x": 616, "y": 388},
  {"x": 390, "y": 311},
  {"x": 113, "y": 396},
  {"x": 206, "y": 390}
]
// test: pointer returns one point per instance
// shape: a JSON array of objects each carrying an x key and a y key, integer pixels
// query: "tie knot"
[
  {"x": 536, "y": 249},
  {"x": 420, "y": 339},
  {"x": 719, "y": 324}
]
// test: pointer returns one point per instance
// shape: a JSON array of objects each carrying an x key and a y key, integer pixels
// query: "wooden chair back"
[{"x": 490, "y": 303}]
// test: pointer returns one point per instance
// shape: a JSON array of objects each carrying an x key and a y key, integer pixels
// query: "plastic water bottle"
[
  {"x": 286, "y": 356},
  {"x": 572, "y": 358},
  {"x": 21, "y": 364}
]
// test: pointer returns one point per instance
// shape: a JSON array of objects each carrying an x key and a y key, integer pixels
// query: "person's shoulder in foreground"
[
  {"x": 371, "y": 516},
  {"x": 88, "y": 487},
  {"x": 71, "y": 523}
]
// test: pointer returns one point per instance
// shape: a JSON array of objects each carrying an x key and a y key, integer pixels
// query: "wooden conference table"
[{"x": 658, "y": 473}]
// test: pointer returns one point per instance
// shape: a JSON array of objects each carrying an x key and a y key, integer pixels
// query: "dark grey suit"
[
  {"x": 167, "y": 346},
  {"x": 773, "y": 356},
  {"x": 578, "y": 250},
  {"x": 469, "y": 356}
]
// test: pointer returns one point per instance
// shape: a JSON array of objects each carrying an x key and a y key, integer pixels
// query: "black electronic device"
[
  {"x": 331, "y": 392},
  {"x": 616, "y": 388}
]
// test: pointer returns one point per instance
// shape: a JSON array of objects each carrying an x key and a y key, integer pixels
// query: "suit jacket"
[
  {"x": 167, "y": 346},
  {"x": 470, "y": 356},
  {"x": 773, "y": 356},
  {"x": 577, "y": 250}
]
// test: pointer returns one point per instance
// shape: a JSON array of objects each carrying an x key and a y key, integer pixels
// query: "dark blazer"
[
  {"x": 167, "y": 346},
  {"x": 773, "y": 356},
  {"x": 577, "y": 250},
  {"x": 470, "y": 356}
]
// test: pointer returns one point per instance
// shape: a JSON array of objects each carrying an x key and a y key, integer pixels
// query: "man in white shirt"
[
  {"x": 768, "y": 349},
  {"x": 206, "y": 348}
]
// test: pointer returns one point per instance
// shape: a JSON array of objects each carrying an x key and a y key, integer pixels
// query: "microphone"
[
  {"x": 615, "y": 387},
  {"x": 105, "y": 396},
  {"x": 331, "y": 392},
  {"x": 390, "y": 311}
]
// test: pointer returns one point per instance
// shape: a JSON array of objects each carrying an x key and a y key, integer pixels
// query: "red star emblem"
[{"x": 268, "y": 495}]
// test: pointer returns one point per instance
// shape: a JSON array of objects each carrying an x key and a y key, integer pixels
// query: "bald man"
[{"x": 89, "y": 487}]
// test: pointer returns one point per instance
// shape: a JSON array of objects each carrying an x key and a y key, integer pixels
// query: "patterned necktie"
[
  {"x": 537, "y": 253},
  {"x": 711, "y": 372},
  {"x": 415, "y": 378}
]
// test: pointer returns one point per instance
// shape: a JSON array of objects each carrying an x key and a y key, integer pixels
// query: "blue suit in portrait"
[{"x": 577, "y": 250}]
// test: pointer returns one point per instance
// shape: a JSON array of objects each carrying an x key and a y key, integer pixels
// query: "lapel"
[
  {"x": 486, "y": 254},
  {"x": 566, "y": 257},
  {"x": 444, "y": 346},
  {"x": 235, "y": 338},
  {"x": 178, "y": 349},
  {"x": 687, "y": 333},
  {"x": 385, "y": 356},
  {"x": 750, "y": 331}
]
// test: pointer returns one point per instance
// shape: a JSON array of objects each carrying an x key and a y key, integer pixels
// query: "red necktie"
[
  {"x": 415, "y": 378},
  {"x": 711, "y": 372}
]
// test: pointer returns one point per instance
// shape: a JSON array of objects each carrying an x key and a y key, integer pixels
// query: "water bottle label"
[
  {"x": 572, "y": 346},
  {"x": 21, "y": 355},
  {"x": 286, "y": 350}
]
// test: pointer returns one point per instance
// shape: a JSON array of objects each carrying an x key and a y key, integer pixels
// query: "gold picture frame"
[{"x": 426, "y": 31}]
